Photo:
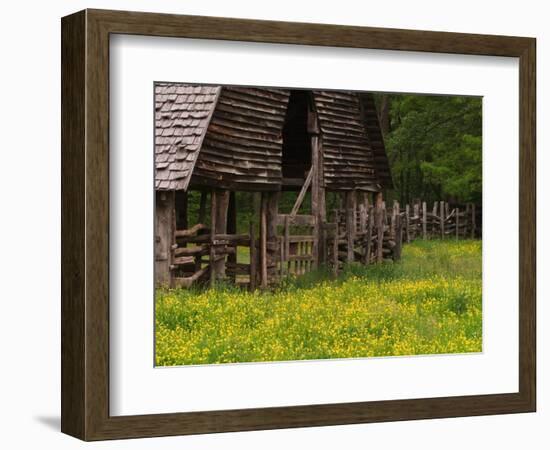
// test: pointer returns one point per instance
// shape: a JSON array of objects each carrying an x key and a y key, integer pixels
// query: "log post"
[
  {"x": 379, "y": 218},
  {"x": 263, "y": 242},
  {"x": 350, "y": 224},
  {"x": 287, "y": 241},
  {"x": 366, "y": 257},
  {"x": 219, "y": 207},
  {"x": 164, "y": 237},
  {"x": 253, "y": 257},
  {"x": 424, "y": 220},
  {"x": 335, "y": 239},
  {"x": 317, "y": 189},
  {"x": 394, "y": 212},
  {"x": 232, "y": 229},
  {"x": 407, "y": 223},
  {"x": 457, "y": 222},
  {"x": 442, "y": 218},
  {"x": 398, "y": 238},
  {"x": 213, "y": 224},
  {"x": 362, "y": 218},
  {"x": 272, "y": 204}
]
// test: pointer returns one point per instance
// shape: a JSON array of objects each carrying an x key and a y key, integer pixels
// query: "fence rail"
[{"x": 361, "y": 233}]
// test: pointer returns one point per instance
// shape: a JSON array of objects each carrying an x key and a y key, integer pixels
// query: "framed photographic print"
[{"x": 270, "y": 224}]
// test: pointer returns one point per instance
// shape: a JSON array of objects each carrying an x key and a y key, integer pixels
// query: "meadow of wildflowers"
[{"x": 428, "y": 303}]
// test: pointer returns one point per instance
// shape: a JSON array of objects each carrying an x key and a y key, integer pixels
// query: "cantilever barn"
[{"x": 220, "y": 140}]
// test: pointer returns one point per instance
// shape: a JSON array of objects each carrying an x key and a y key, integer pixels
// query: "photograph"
[{"x": 307, "y": 224}]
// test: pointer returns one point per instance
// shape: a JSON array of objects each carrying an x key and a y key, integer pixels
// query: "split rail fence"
[{"x": 357, "y": 233}]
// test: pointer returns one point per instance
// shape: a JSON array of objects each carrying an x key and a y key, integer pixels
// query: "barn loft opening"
[{"x": 296, "y": 139}]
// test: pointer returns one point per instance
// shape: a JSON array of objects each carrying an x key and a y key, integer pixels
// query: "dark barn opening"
[{"x": 296, "y": 160}]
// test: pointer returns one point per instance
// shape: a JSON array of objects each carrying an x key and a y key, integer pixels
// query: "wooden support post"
[
  {"x": 398, "y": 238},
  {"x": 362, "y": 218},
  {"x": 424, "y": 220},
  {"x": 442, "y": 218},
  {"x": 287, "y": 241},
  {"x": 219, "y": 207},
  {"x": 213, "y": 217},
  {"x": 350, "y": 224},
  {"x": 164, "y": 237},
  {"x": 335, "y": 250},
  {"x": 317, "y": 192},
  {"x": 379, "y": 218},
  {"x": 366, "y": 257},
  {"x": 473, "y": 220},
  {"x": 232, "y": 228},
  {"x": 407, "y": 223},
  {"x": 394, "y": 212},
  {"x": 253, "y": 257},
  {"x": 263, "y": 242},
  {"x": 271, "y": 222}
]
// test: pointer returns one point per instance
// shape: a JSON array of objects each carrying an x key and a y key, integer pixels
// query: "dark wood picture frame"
[{"x": 85, "y": 224}]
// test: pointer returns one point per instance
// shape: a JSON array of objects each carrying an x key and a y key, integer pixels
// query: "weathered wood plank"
[
  {"x": 253, "y": 257},
  {"x": 350, "y": 224},
  {"x": 191, "y": 231},
  {"x": 302, "y": 193},
  {"x": 263, "y": 242}
]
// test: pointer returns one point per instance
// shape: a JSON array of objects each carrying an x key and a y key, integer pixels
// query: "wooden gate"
[{"x": 297, "y": 244}]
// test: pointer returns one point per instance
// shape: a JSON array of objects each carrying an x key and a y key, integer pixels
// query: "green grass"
[{"x": 428, "y": 303}]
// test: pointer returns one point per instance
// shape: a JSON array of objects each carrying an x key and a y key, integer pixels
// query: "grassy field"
[{"x": 428, "y": 303}]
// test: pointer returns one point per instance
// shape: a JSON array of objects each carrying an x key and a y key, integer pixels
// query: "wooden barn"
[{"x": 221, "y": 140}]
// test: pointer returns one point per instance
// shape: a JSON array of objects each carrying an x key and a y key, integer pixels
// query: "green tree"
[{"x": 434, "y": 146}]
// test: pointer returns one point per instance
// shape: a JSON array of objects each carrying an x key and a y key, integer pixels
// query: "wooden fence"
[
  {"x": 359, "y": 233},
  {"x": 441, "y": 221}
]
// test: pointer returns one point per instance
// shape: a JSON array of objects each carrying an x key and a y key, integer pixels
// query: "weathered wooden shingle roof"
[
  {"x": 376, "y": 141},
  {"x": 182, "y": 115},
  {"x": 243, "y": 146},
  {"x": 237, "y": 131},
  {"x": 347, "y": 154}
]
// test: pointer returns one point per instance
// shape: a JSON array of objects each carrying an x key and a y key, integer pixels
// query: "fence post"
[
  {"x": 362, "y": 218},
  {"x": 398, "y": 238},
  {"x": 424, "y": 220},
  {"x": 442, "y": 218},
  {"x": 350, "y": 224},
  {"x": 253, "y": 257},
  {"x": 335, "y": 244},
  {"x": 213, "y": 226},
  {"x": 263, "y": 242},
  {"x": 457, "y": 214},
  {"x": 369, "y": 236},
  {"x": 379, "y": 217},
  {"x": 407, "y": 223}
]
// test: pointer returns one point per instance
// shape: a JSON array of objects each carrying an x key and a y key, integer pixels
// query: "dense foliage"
[
  {"x": 429, "y": 303},
  {"x": 434, "y": 146}
]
